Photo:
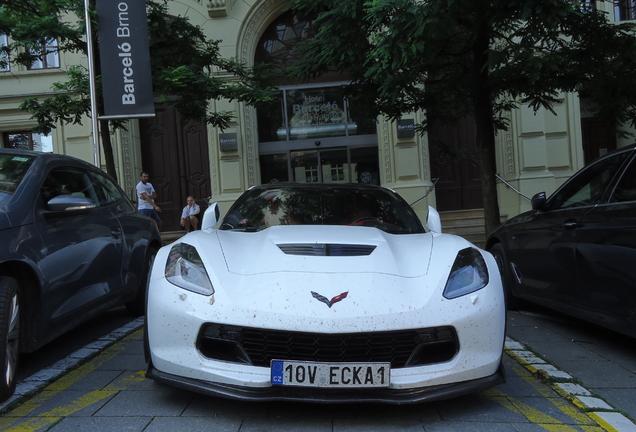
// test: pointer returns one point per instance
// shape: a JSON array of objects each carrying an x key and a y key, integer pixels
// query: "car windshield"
[
  {"x": 12, "y": 170},
  {"x": 262, "y": 208}
]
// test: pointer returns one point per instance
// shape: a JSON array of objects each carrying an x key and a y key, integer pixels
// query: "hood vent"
[{"x": 326, "y": 249}]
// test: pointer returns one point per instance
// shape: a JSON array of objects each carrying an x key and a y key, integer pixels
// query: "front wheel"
[
  {"x": 9, "y": 334},
  {"x": 499, "y": 253}
]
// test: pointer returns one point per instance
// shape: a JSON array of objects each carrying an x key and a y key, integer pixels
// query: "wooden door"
[
  {"x": 176, "y": 157},
  {"x": 459, "y": 184},
  {"x": 598, "y": 138}
]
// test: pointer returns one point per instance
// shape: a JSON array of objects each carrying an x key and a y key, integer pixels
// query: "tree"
[
  {"x": 473, "y": 57},
  {"x": 183, "y": 63}
]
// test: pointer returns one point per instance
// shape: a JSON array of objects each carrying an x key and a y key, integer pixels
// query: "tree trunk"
[
  {"x": 485, "y": 130},
  {"x": 108, "y": 149}
]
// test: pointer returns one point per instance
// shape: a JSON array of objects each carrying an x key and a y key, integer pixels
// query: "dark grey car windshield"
[
  {"x": 262, "y": 208},
  {"x": 12, "y": 170}
]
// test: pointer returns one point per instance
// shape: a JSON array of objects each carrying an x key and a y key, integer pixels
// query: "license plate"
[{"x": 311, "y": 374}]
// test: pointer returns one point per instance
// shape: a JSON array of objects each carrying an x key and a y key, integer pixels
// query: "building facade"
[{"x": 310, "y": 134}]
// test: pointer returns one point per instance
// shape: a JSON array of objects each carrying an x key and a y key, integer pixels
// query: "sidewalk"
[{"x": 600, "y": 361}]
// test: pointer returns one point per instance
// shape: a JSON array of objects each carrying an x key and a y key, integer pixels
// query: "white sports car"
[{"x": 324, "y": 293}]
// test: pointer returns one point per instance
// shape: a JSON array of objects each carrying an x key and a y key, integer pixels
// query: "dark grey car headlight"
[
  {"x": 468, "y": 274},
  {"x": 185, "y": 269}
]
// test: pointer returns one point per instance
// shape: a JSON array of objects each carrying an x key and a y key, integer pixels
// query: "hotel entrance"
[{"x": 314, "y": 135}]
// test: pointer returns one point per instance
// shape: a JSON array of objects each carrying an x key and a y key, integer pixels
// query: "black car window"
[
  {"x": 68, "y": 181},
  {"x": 588, "y": 186},
  {"x": 263, "y": 208},
  {"x": 12, "y": 170},
  {"x": 625, "y": 190},
  {"x": 107, "y": 192}
]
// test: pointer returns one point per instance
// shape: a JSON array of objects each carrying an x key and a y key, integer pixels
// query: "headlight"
[
  {"x": 186, "y": 270},
  {"x": 468, "y": 274}
]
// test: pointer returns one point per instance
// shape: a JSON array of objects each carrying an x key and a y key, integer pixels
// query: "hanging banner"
[{"x": 125, "y": 59}]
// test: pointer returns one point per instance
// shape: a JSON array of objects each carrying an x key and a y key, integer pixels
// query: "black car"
[
  {"x": 575, "y": 252},
  {"x": 72, "y": 246}
]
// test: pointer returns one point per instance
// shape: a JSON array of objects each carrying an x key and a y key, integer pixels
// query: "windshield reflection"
[{"x": 264, "y": 207}]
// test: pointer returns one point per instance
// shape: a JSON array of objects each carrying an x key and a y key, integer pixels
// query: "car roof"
[{"x": 50, "y": 157}]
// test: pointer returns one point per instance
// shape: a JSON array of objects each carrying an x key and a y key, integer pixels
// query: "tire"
[
  {"x": 499, "y": 253},
  {"x": 137, "y": 307},
  {"x": 9, "y": 335}
]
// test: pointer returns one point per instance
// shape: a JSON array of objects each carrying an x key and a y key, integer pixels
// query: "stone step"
[
  {"x": 168, "y": 237},
  {"x": 468, "y": 224}
]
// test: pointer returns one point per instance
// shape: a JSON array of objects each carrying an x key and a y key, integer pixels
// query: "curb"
[
  {"x": 565, "y": 385},
  {"x": 36, "y": 382}
]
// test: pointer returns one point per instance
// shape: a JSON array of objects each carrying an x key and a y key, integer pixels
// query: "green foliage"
[
  {"x": 187, "y": 69},
  {"x": 437, "y": 55}
]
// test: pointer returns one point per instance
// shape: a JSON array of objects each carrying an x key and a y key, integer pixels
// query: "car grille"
[
  {"x": 326, "y": 249},
  {"x": 258, "y": 347}
]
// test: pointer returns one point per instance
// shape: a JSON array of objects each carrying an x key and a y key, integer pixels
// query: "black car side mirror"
[{"x": 539, "y": 201}]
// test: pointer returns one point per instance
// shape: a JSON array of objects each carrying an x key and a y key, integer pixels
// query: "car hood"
[{"x": 327, "y": 250}]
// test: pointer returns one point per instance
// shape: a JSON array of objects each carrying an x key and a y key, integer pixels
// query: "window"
[
  {"x": 624, "y": 10},
  {"x": 625, "y": 191},
  {"x": 586, "y": 5},
  {"x": 107, "y": 192},
  {"x": 588, "y": 187},
  {"x": 12, "y": 171},
  {"x": 28, "y": 141},
  {"x": 48, "y": 56},
  {"x": 4, "y": 54},
  {"x": 68, "y": 181}
]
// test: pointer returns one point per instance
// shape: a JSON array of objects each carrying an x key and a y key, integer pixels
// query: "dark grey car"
[
  {"x": 72, "y": 246},
  {"x": 575, "y": 251}
]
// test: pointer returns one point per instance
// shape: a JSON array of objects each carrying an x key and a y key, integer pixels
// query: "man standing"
[{"x": 146, "y": 196}]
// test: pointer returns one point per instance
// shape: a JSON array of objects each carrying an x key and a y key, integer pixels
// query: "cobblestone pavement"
[{"x": 101, "y": 387}]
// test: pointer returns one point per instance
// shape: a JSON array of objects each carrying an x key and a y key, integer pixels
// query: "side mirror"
[
  {"x": 433, "y": 221},
  {"x": 63, "y": 203},
  {"x": 539, "y": 201},
  {"x": 211, "y": 216}
]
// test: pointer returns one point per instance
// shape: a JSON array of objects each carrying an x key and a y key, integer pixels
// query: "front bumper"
[{"x": 317, "y": 395}]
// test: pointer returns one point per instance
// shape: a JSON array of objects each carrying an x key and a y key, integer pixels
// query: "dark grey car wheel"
[{"x": 9, "y": 334}]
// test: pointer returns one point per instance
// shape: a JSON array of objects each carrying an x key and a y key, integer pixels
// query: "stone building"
[{"x": 311, "y": 133}]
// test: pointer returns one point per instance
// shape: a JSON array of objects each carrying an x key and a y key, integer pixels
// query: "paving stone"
[
  {"x": 125, "y": 362},
  {"x": 517, "y": 386},
  {"x": 454, "y": 426},
  {"x": 47, "y": 375},
  {"x": 617, "y": 421},
  {"x": 101, "y": 424},
  {"x": 528, "y": 356},
  {"x": 595, "y": 403},
  {"x": 169, "y": 402},
  {"x": 610, "y": 375},
  {"x": 552, "y": 371},
  {"x": 256, "y": 424},
  {"x": 477, "y": 408},
  {"x": 67, "y": 363},
  {"x": 574, "y": 389},
  {"x": 194, "y": 424},
  {"x": 621, "y": 399},
  {"x": 63, "y": 403}
]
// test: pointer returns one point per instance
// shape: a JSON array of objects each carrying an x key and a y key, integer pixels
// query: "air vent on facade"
[{"x": 326, "y": 249}]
